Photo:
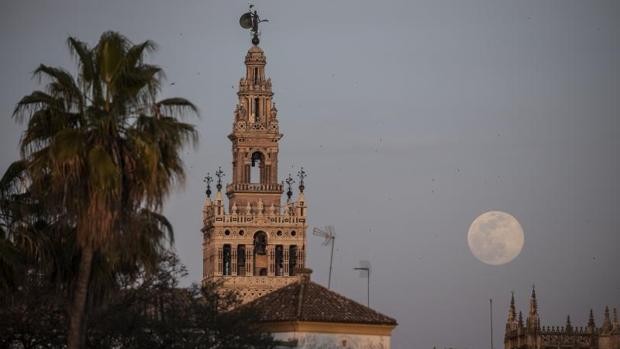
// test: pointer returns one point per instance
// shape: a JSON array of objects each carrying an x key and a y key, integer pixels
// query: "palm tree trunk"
[{"x": 78, "y": 306}]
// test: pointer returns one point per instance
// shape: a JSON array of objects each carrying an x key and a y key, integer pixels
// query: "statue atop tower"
[
  {"x": 256, "y": 245},
  {"x": 250, "y": 20}
]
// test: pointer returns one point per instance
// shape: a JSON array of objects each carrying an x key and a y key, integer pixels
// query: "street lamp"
[{"x": 364, "y": 270}]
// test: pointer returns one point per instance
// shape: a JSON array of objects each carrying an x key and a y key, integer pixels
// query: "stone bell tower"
[{"x": 254, "y": 244}]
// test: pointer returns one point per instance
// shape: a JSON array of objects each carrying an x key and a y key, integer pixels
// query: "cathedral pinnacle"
[
  {"x": 606, "y": 327},
  {"x": 512, "y": 311},
  {"x": 533, "y": 302},
  {"x": 591, "y": 323}
]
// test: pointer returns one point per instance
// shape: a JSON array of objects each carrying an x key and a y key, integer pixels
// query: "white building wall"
[{"x": 309, "y": 340}]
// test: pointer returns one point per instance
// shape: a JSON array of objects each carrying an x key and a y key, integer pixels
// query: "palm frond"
[
  {"x": 13, "y": 175},
  {"x": 177, "y": 107},
  {"x": 135, "y": 54},
  {"x": 62, "y": 84},
  {"x": 109, "y": 53},
  {"x": 82, "y": 52},
  {"x": 34, "y": 101}
]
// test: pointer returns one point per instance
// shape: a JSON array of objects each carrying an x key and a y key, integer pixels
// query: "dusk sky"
[{"x": 412, "y": 118}]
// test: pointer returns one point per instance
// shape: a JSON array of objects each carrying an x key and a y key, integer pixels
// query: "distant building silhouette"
[{"x": 531, "y": 335}]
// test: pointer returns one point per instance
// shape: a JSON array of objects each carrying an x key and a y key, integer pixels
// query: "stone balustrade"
[{"x": 253, "y": 187}]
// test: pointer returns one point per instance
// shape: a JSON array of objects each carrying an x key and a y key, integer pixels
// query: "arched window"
[
  {"x": 226, "y": 267},
  {"x": 256, "y": 170},
  {"x": 257, "y": 113},
  {"x": 260, "y": 243},
  {"x": 279, "y": 260},
  {"x": 292, "y": 260},
  {"x": 261, "y": 262},
  {"x": 241, "y": 260}
]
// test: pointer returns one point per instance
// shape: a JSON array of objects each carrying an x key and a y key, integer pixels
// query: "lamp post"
[{"x": 365, "y": 268}]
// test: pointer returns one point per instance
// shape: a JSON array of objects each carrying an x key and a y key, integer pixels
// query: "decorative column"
[
  {"x": 233, "y": 259},
  {"x": 286, "y": 259},
  {"x": 300, "y": 257},
  {"x": 220, "y": 258}
]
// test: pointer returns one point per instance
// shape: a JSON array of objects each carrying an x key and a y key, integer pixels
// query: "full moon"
[{"x": 495, "y": 238}]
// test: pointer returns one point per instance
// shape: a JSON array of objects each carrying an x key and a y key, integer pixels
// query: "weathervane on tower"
[
  {"x": 208, "y": 179},
  {"x": 289, "y": 182},
  {"x": 301, "y": 174},
  {"x": 219, "y": 173},
  {"x": 250, "y": 20}
]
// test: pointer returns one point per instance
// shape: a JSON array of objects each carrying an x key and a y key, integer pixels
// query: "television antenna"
[
  {"x": 364, "y": 270},
  {"x": 329, "y": 234}
]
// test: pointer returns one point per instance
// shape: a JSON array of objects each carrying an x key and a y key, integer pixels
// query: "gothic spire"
[
  {"x": 512, "y": 311},
  {"x": 569, "y": 326},
  {"x": 533, "y": 302},
  {"x": 606, "y": 327},
  {"x": 533, "y": 321},
  {"x": 591, "y": 323}
]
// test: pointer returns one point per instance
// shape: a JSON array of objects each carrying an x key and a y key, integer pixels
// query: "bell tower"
[
  {"x": 255, "y": 138},
  {"x": 254, "y": 244}
]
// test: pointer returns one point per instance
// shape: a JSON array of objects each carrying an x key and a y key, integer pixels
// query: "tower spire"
[
  {"x": 533, "y": 302},
  {"x": 591, "y": 324},
  {"x": 512, "y": 312},
  {"x": 606, "y": 327},
  {"x": 569, "y": 326},
  {"x": 533, "y": 321}
]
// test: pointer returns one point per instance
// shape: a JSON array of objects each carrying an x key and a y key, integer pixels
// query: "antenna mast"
[
  {"x": 491, "y": 318},
  {"x": 329, "y": 234}
]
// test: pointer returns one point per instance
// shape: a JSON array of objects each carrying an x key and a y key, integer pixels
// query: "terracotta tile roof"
[{"x": 308, "y": 301}]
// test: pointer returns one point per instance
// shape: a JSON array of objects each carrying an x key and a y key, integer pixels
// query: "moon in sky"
[{"x": 495, "y": 238}]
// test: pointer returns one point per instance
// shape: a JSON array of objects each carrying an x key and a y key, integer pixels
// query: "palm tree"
[{"x": 100, "y": 153}]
